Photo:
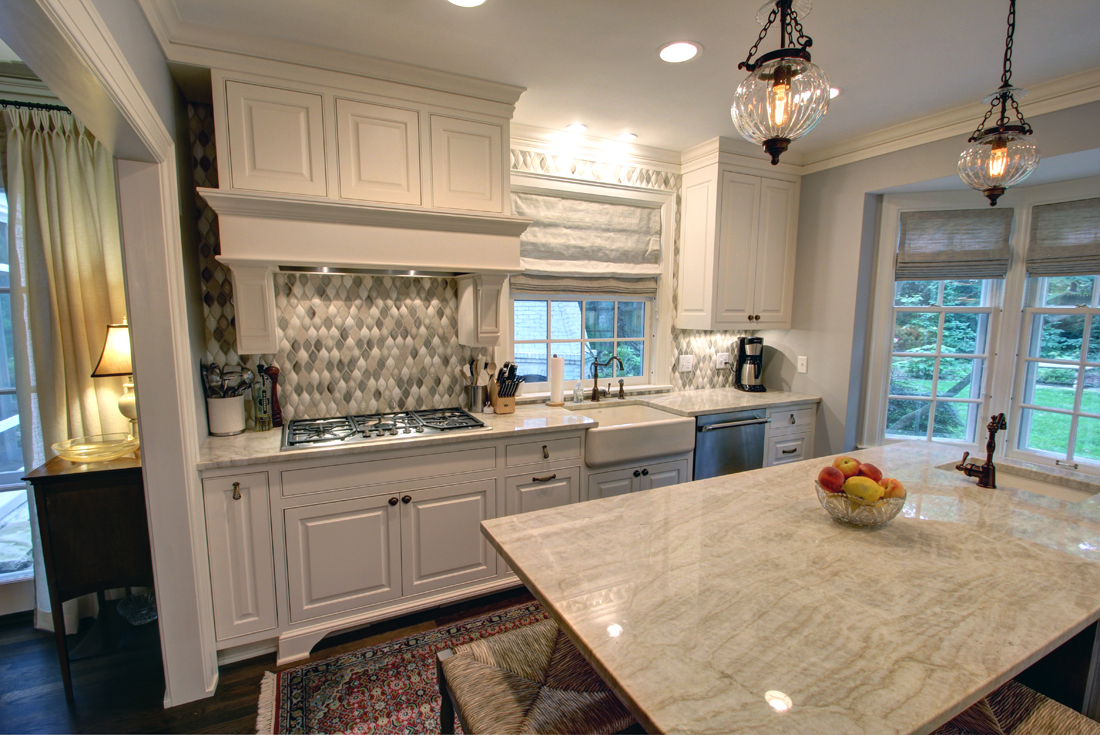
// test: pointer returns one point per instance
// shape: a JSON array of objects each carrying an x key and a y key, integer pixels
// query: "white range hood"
[{"x": 263, "y": 233}]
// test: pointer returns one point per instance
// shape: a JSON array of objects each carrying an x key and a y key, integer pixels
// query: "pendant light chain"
[
  {"x": 790, "y": 28},
  {"x": 747, "y": 63},
  {"x": 1005, "y": 97}
]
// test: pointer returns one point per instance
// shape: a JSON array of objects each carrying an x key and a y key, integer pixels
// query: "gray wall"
[{"x": 832, "y": 295}]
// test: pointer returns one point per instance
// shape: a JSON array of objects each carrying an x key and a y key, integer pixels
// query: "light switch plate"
[
  {"x": 687, "y": 363},
  {"x": 723, "y": 361},
  {"x": 803, "y": 363}
]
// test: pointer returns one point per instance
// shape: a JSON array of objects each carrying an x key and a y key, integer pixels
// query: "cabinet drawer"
[
  {"x": 791, "y": 421},
  {"x": 547, "y": 450},
  {"x": 786, "y": 448},
  {"x": 526, "y": 493},
  {"x": 381, "y": 471}
]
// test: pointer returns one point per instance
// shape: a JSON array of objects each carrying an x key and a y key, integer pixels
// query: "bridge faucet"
[
  {"x": 987, "y": 472},
  {"x": 596, "y": 374}
]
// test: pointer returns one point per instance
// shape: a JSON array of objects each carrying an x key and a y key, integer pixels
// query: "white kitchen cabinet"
[
  {"x": 790, "y": 434},
  {"x": 276, "y": 139},
  {"x": 466, "y": 165},
  {"x": 525, "y": 493},
  {"x": 441, "y": 540},
  {"x": 378, "y": 152},
  {"x": 342, "y": 556},
  {"x": 738, "y": 239},
  {"x": 623, "y": 480},
  {"x": 238, "y": 542}
]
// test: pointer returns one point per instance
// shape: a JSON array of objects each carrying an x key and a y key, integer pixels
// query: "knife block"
[{"x": 501, "y": 405}]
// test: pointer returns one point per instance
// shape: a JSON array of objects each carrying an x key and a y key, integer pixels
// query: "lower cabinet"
[
  {"x": 353, "y": 553},
  {"x": 525, "y": 493},
  {"x": 238, "y": 541},
  {"x": 790, "y": 434},
  {"x": 625, "y": 480},
  {"x": 342, "y": 556}
]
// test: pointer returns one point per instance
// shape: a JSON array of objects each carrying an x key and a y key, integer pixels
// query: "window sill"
[{"x": 631, "y": 390}]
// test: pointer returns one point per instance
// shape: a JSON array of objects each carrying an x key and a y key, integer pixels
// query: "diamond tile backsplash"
[{"x": 347, "y": 343}]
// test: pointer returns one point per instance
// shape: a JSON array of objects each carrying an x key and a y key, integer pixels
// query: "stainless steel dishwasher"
[{"x": 729, "y": 442}]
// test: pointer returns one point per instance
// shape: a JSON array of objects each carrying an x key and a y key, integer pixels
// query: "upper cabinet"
[
  {"x": 737, "y": 246},
  {"x": 356, "y": 147},
  {"x": 276, "y": 139}
]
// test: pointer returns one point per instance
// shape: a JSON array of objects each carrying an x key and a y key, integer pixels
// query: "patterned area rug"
[{"x": 387, "y": 689}]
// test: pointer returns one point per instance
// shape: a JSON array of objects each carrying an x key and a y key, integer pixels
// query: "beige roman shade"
[
  {"x": 953, "y": 244},
  {"x": 1065, "y": 239},
  {"x": 579, "y": 246}
]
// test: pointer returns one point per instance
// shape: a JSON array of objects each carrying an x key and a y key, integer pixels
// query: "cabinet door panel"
[
  {"x": 785, "y": 448},
  {"x": 609, "y": 484},
  {"x": 238, "y": 539},
  {"x": 525, "y": 493},
  {"x": 466, "y": 165},
  {"x": 342, "y": 556},
  {"x": 441, "y": 536},
  {"x": 697, "y": 254},
  {"x": 379, "y": 152},
  {"x": 665, "y": 474},
  {"x": 775, "y": 259},
  {"x": 276, "y": 141},
  {"x": 737, "y": 236}
]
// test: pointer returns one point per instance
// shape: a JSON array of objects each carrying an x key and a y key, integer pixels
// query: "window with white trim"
[
  {"x": 1058, "y": 411},
  {"x": 938, "y": 359},
  {"x": 583, "y": 330}
]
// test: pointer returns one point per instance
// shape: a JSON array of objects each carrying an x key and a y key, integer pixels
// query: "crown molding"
[
  {"x": 199, "y": 45},
  {"x": 734, "y": 152},
  {"x": 559, "y": 142},
  {"x": 1059, "y": 94}
]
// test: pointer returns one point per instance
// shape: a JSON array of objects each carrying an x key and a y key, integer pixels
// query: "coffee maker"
[{"x": 749, "y": 366}]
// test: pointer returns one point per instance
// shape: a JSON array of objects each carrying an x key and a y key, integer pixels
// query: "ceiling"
[{"x": 595, "y": 61}]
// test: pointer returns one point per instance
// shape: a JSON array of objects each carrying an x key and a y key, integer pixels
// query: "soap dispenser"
[{"x": 578, "y": 393}]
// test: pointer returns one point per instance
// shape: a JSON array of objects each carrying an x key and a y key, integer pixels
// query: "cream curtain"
[{"x": 66, "y": 274}]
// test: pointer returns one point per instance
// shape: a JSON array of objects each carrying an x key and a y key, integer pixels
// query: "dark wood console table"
[{"x": 95, "y": 535}]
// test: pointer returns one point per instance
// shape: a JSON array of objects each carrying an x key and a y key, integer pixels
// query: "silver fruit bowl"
[{"x": 856, "y": 512}]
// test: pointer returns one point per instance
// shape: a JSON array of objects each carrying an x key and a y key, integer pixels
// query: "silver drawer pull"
[
  {"x": 731, "y": 424},
  {"x": 548, "y": 478},
  {"x": 790, "y": 451}
]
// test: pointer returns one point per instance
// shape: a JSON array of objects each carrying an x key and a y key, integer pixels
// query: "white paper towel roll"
[{"x": 557, "y": 379}]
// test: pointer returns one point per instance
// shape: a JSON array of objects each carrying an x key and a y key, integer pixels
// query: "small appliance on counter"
[{"x": 748, "y": 374}]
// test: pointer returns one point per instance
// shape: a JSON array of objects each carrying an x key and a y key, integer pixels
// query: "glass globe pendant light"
[
  {"x": 1000, "y": 155},
  {"x": 785, "y": 95}
]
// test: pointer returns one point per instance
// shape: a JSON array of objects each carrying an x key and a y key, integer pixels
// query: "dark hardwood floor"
[{"x": 123, "y": 691}]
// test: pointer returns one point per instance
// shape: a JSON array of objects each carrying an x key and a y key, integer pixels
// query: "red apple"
[
  {"x": 869, "y": 470},
  {"x": 847, "y": 465},
  {"x": 893, "y": 488},
  {"x": 831, "y": 479}
]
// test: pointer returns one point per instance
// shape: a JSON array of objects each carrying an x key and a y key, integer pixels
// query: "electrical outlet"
[
  {"x": 803, "y": 363},
  {"x": 723, "y": 361},
  {"x": 687, "y": 363}
]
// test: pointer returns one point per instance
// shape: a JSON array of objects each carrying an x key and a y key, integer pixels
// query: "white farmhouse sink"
[
  {"x": 632, "y": 433},
  {"x": 1071, "y": 487}
]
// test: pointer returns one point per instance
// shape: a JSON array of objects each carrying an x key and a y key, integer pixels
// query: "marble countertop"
[
  {"x": 256, "y": 447},
  {"x": 695, "y": 601},
  {"x": 720, "y": 400},
  {"x": 252, "y": 447}
]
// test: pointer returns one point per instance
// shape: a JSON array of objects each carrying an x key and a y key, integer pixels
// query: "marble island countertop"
[
  {"x": 695, "y": 601},
  {"x": 253, "y": 447}
]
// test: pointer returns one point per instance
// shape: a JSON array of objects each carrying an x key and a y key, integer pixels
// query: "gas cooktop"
[{"x": 376, "y": 427}]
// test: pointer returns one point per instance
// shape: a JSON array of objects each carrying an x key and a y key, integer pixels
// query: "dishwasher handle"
[{"x": 731, "y": 424}]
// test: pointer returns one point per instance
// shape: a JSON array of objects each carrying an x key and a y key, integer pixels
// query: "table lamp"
[{"x": 115, "y": 362}]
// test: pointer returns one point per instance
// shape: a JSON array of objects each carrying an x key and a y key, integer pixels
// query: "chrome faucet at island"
[{"x": 987, "y": 472}]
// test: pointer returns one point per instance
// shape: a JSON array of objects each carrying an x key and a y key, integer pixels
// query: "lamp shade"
[{"x": 115, "y": 359}]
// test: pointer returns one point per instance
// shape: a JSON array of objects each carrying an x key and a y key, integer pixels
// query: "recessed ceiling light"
[
  {"x": 467, "y": 3},
  {"x": 576, "y": 128},
  {"x": 833, "y": 92},
  {"x": 627, "y": 137},
  {"x": 674, "y": 53}
]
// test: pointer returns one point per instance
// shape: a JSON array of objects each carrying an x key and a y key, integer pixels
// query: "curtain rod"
[{"x": 34, "y": 106}]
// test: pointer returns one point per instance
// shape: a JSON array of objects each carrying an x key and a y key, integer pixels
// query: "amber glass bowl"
[
  {"x": 856, "y": 512},
  {"x": 96, "y": 447}
]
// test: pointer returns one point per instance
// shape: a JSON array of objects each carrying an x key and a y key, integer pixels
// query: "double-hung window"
[
  {"x": 938, "y": 358},
  {"x": 584, "y": 330}
]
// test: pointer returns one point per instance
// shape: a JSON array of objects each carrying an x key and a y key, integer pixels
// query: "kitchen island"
[{"x": 705, "y": 605}]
